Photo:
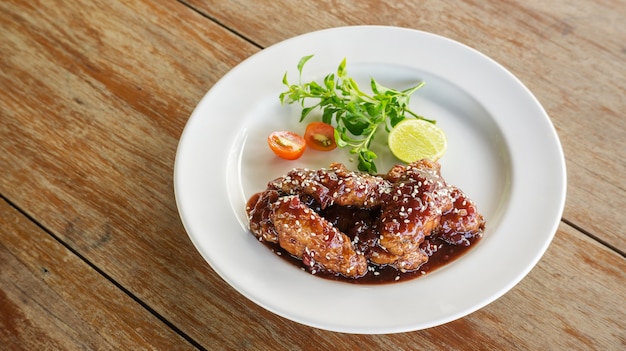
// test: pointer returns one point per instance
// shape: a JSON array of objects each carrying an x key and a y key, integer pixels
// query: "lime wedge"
[{"x": 415, "y": 139}]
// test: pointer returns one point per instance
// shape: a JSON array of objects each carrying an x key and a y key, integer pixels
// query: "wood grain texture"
[
  {"x": 571, "y": 56},
  {"x": 96, "y": 94},
  {"x": 47, "y": 303},
  {"x": 52, "y": 300}
]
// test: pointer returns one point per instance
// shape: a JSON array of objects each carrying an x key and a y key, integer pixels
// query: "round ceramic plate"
[{"x": 503, "y": 152}]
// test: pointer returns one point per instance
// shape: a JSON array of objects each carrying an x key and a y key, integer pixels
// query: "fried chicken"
[
  {"x": 339, "y": 221},
  {"x": 333, "y": 186},
  {"x": 410, "y": 213},
  {"x": 461, "y": 222},
  {"x": 308, "y": 236}
]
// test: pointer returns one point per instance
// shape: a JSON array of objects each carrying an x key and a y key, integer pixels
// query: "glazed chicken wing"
[
  {"x": 461, "y": 222},
  {"x": 334, "y": 186},
  {"x": 308, "y": 236},
  {"x": 259, "y": 209},
  {"x": 339, "y": 222},
  {"x": 410, "y": 213}
]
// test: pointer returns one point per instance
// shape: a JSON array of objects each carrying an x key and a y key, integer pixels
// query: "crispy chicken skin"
[
  {"x": 410, "y": 212},
  {"x": 306, "y": 235},
  {"x": 462, "y": 222},
  {"x": 333, "y": 186},
  {"x": 387, "y": 220},
  {"x": 259, "y": 215}
]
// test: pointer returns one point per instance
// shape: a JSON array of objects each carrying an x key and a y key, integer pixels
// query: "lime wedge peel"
[{"x": 415, "y": 139}]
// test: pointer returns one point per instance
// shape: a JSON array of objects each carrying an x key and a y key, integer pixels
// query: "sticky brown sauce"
[{"x": 442, "y": 253}]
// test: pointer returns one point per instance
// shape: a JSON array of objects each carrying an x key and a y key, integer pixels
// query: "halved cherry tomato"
[
  {"x": 287, "y": 145},
  {"x": 320, "y": 136}
]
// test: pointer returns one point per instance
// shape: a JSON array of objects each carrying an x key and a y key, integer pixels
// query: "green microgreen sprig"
[{"x": 355, "y": 114}]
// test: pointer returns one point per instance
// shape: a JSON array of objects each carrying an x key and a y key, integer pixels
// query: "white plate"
[{"x": 503, "y": 152}]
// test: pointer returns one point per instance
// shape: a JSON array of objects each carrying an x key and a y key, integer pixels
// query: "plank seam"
[
  {"x": 594, "y": 237},
  {"x": 118, "y": 285},
  {"x": 216, "y": 21}
]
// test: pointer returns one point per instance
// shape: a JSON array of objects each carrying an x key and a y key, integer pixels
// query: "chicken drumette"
[{"x": 395, "y": 213}]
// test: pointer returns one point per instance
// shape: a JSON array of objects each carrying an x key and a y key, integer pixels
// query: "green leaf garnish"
[{"x": 356, "y": 115}]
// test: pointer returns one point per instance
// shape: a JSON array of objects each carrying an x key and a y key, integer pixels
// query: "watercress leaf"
[
  {"x": 302, "y": 61},
  {"x": 316, "y": 89},
  {"x": 374, "y": 85},
  {"x": 305, "y": 112},
  {"x": 395, "y": 118},
  {"x": 341, "y": 70},
  {"x": 329, "y": 82},
  {"x": 369, "y": 155},
  {"x": 411, "y": 90},
  {"x": 355, "y": 122},
  {"x": 327, "y": 115},
  {"x": 339, "y": 139},
  {"x": 285, "y": 81},
  {"x": 375, "y": 111},
  {"x": 366, "y": 161},
  {"x": 355, "y": 128}
]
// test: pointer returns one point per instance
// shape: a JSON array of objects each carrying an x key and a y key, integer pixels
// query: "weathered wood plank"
[
  {"x": 52, "y": 300},
  {"x": 571, "y": 56},
  {"x": 48, "y": 302},
  {"x": 94, "y": 98}
]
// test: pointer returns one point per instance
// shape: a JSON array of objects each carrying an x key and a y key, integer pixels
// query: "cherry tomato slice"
[
  {"x": 320, "y": 136},
  {"x": 287, "y": 145}
]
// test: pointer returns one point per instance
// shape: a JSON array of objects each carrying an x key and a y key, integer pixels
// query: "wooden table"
[{"x": 95, "y": 95}]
